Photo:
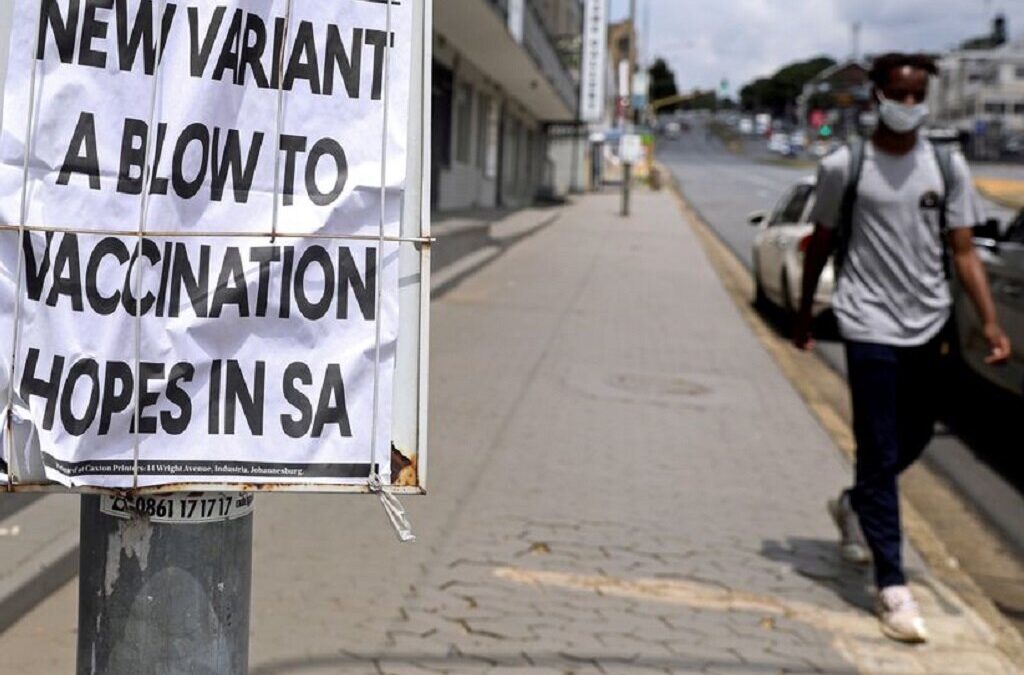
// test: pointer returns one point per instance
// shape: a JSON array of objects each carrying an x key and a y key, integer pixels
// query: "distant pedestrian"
[{"x": 897, "y": 213}]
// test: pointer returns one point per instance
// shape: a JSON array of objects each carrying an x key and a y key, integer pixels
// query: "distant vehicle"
[
  {"x": 798, "y": 139},
  {"x": 779, "y": 249},
  {"x": 1014, "y": 146},
  {"x": 779, "y": 143},
  {"x": 673, "y": 130},
  {"x": 762, "y": 124},
  {"x": 821, "y": 148},
  {"x": 1002, "y": 253},
  {"x": 746, "y": 126}
]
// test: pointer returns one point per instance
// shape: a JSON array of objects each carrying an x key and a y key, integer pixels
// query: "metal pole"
[
  {"x": 574, "y": 167},
  {"x": 634, "y": 38},
  {"x": 627, "y": 167},
  {"x": 164, "y": 597},
  {"x": 627, "y": 178}
]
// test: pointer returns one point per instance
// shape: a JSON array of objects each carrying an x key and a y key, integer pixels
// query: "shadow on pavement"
[
  {"x": 780, "y": 321},
  {"x": 818, "y": 560},
  {"x": 567, "y": 661},
  {"x": 454, "y": 247}
]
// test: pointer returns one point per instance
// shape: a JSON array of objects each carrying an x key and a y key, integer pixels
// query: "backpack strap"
[
  {"x": 846, "y": 207},
  {"x": 944, "y": 158}
]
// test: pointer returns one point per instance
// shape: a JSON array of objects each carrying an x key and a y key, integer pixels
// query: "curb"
[{"x": 826, "y": 404}]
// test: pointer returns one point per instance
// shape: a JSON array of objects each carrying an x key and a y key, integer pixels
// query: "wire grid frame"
[{"x": 373, "y": 481}]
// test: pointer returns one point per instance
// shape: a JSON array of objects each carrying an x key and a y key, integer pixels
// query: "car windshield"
[
  {"x": 793, "y": 209},
  {"x": 1015, "y": 235}
]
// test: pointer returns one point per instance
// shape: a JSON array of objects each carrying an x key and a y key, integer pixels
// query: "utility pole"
[
  {"x": 574, "y": 183},
  {"x": 627, "y": 164},
  {"x": 164, "y": 584}
]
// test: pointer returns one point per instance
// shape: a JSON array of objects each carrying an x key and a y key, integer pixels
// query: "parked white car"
[{"x": 779, "y": 248}]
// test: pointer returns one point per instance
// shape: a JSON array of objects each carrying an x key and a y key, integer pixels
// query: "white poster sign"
[
  {"x": 594, "y": 73},
  {"x": 213, "y": 319},
  {"x": 631, "y": 148}
]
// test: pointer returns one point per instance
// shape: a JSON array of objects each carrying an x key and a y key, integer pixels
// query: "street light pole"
[
  {"x": 627, "y": 164},
  {"x": 165, "y": 589}
]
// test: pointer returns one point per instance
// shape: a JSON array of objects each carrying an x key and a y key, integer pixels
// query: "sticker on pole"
[
  {"x": 201, "y": 213},
  {"x": 631, "y": 149},
  {"x": 183, "y": 509}
]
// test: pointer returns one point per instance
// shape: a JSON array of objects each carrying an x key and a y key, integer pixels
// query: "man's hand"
[
  {"x": 815, "y": 258},
  {"x": 975, "y": 281},
  {"x": 802, "y": 337},
  {"x": 999, "y": 345}
]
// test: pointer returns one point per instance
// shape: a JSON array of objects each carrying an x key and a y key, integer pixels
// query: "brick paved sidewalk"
[{"x": 648, "y": 492}]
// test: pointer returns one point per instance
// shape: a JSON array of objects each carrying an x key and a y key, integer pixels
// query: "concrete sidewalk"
[{"x": 622, "y": 481}]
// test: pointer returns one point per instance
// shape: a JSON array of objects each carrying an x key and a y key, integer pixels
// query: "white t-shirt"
[{"x": 892, "y": 288}]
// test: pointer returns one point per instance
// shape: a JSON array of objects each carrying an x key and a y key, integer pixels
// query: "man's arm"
[
  {"x": 972, "y": 275},
  {"x": 821, "y": 246}
]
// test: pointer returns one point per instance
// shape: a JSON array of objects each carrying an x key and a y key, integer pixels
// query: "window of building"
[
  {"x": 483, "y": 118},
  {"x": 995, "y": 107},
  {"x": 528, "y": 158},
  {"x": 493, "y": 130},
  {"x": 463, "y": 122},
  {"x": 1018, "y": 108},
  {"x": 510, "y": 157},
  {"x": 441, "y": 113},
  {"x": 1019, "y": 72}
]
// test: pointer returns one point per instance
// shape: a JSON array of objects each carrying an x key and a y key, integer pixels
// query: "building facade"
[
  {"x": 502, "y": 79},
  {"x": 980, "y": 93}
]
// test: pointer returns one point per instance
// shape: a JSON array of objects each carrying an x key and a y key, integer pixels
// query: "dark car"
[{"x": 1002, "y": 253}]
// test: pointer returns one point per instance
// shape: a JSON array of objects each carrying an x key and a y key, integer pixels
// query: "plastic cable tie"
[{"x": 394, "y": 509}]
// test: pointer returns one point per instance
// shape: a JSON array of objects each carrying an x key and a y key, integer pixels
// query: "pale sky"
[{"x": 705, "y": 40}]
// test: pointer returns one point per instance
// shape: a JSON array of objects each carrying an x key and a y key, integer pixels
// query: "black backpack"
[{"x": 944, "y": 158}]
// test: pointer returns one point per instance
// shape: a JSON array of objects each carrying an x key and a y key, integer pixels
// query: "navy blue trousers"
[{"x": 895, "y": 398}]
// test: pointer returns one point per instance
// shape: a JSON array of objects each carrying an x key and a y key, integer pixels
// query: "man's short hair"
[{"x": 882, "y": 67}]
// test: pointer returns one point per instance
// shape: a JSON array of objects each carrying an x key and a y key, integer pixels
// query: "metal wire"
[
  {"x": 147, "y": 181},
  {"x": 280, "y": 120},
  {"x": 178, "y": 234},
  {"x": 374, "y": 479}
]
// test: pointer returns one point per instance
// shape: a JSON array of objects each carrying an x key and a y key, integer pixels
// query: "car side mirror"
[
  {"x": 988, "y": 230},
  {"x": 756, "y": 218}
]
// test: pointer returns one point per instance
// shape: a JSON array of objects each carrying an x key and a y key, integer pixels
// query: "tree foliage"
[
  {"x": 778, "y": 93},
  {"x": 663, "y": 82}
]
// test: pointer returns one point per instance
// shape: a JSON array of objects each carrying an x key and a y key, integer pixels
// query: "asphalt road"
[{"x": 977, "y": 445}]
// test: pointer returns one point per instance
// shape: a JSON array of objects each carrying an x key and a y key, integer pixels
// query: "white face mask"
[{"x": 900, "y": 117}]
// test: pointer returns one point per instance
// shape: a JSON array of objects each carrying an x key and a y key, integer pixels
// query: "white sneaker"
[
  {"x": 852, "y": 545},
  {"x": 899, "y": 615}
]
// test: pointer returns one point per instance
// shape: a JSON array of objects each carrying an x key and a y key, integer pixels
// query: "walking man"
[{"x": 896, "y": 212}]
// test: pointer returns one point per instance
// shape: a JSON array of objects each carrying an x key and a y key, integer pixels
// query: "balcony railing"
[{"x": 541, "y": 46}]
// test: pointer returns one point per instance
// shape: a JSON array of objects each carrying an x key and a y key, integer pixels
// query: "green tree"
[
  {"x": 778, "y": 93},
  {"x": 662, "y": 83}
]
